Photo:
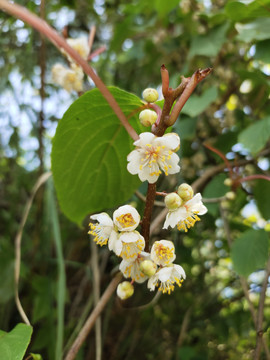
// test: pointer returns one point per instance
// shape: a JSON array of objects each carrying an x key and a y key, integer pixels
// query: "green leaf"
[
  {"x": 197, "y": 104},
  {"x": 255, "y": 137},
  {"x": 263, "y": 51},
  {"x": 89, "y": 155},
  {"x": 164, "y": 7},
  {"x": 209, "y": 44},
  {"x": 262, "y": 197},
  {"x": 215, "y": 188},
  {"x": 13, "y": 345},
  {"x": 238, "y": 11},
  {"x": 250, "y": 252},
  {"x": 256, "y": 30},
  {"x": 186, "y": 128}
]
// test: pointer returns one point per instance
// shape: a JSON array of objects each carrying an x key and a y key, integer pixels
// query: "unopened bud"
[
  {"x": 147, "y": 117},
  {"x": 228, "y": 182},
  {"x": 185, "y": 192},
  {"x": 173, "y": 201},
  {"x": 125, "y": 290},
  {"x": 148, "y": 267},
  {"x": 150, "y": 95},
  {"x": 267, "y": 227},
  {"x": 230, "y": 195}
]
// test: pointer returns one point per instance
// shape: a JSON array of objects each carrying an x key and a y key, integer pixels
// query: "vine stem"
[
  {"x": 71, "y": 355},
  {"x": 44, "y": 28}
]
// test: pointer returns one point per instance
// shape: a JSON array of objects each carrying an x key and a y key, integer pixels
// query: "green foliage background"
[{"x": 229, "y": 110}]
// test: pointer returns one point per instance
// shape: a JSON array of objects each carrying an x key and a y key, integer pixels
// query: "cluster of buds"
[
  {"x": 157, "y": 266},
  {"x": 184, "y": 208},
  {"x": 148, "y": 117},
  {"x": 71, "y": 78}
]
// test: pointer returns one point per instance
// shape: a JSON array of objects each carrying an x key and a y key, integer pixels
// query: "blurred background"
[{"x": 209, "y": 317}]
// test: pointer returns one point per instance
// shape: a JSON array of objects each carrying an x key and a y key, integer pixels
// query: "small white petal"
[{"x": 145, "y": 138}]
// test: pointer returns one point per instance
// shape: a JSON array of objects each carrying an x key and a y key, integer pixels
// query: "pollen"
[
  {"x": 126, "y": 220},
  {"x": 97, "y": 232},
  {"x": 164, "y": 253},
  {"x": 189, "y": 222}
]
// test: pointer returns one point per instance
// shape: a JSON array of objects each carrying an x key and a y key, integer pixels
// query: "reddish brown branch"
[
  {"x": 195, "y": 79},
  {"x": 150, "y": 199},
  {"x": 45, "y": 29}
]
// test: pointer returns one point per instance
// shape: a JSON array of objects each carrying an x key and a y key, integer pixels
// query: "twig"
[
  {"x": 195, "y": 79},
  {"x": 143, "y": 198},
  {"x": 44, "y": 28},
  {"x": 92, "y": 34},
  {"x": 18, "y": 240},
  {"x": 96, "y": 290},
  {"x": 92, "y": 318},
  {"x": 96, "y": 52},
  {"x": 184, "y": 327}
]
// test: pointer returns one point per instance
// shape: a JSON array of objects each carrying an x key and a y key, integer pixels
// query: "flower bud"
[
  {"x": 267, "y": 227},
  {"x": 173, "y": 201},
  {"x": 230, "y": 195},
  {"x": 147, "y": 117},
  {"x": 185, "y": 192},
  {"x": 150, "y": 95},
  {"x": 125, "y": 290},
  {"x": 148, "y": 267},
  {"x": 228, "y": 182}
]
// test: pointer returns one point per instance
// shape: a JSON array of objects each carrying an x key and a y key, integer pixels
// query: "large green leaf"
[
  {"x": 210, "y": 43},
  {"x": 262, "y": 197},
  {"x": 256, "y": 30},
  {"x": 197, "y": 104},
  {"x": 13, "y": 345},
  {"x": 255, "y": 137},
  {"x": 89, "y": 155},
  {"x": 250, "y": 252}
]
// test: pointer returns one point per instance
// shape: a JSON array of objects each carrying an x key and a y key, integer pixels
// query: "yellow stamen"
[{"x": 126, "y": 220}]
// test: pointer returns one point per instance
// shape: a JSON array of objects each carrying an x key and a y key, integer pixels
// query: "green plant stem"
[
  {"x": 44, "y": 28},
  {"x": 61, "y": 285}
]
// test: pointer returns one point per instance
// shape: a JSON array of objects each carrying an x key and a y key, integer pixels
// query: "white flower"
[
  {"x": 162, "y": 252},
  {"x": 115, "y": 244},
  {"x": 132, "y": 244},
  {"x": 103, "y": 230},
  {"x": 186, "y": 215},
  {"x": 126, "y": 218},
  {"x": 71, "y": 79},
  {"x": 152, "y": 154},
  {"x": 166, "y": 278},
  {"x": 131, "y": 269},
  {"x": 80, "y": 45}
]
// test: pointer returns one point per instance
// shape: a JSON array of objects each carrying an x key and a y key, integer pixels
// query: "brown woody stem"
[{"x": 150, "y": 198}]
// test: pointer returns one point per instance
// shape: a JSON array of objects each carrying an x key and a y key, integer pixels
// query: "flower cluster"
[
  {"x": 71, "y": 78},
  {"x": 157, "y": 266},
  {"x": 152, "y": 156}
]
